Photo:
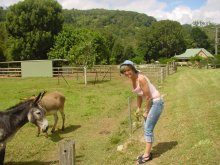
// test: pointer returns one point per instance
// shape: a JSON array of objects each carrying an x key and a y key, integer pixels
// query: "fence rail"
[
  {"x": 10, "y": 72},
  {"x": 158, "y": 72},
  {"x": 95, "y": 73}
]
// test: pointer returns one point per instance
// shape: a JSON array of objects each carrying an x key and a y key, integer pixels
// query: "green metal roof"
[{"x": 193, "y": 52}]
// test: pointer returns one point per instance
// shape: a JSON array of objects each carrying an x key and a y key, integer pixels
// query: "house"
[{"x": 185, "y": 57}]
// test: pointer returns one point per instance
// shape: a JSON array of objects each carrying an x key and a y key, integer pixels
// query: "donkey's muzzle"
[
  {"x": 46, "y": 129},
  {"x": 44, "y": 125}
]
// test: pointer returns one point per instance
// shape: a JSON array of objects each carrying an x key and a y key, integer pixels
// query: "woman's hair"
[{"x": 124, "y": 67}]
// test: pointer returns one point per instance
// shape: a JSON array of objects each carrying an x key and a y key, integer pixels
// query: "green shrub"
[
  {"x": 164, "y": 60},
  {"x": 138, "y": 60}
]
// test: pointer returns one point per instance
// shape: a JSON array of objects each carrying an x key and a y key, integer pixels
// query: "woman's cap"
[{"x": 128, "y": 62}]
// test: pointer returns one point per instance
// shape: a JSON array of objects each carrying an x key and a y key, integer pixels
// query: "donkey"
[
  {"x": 52, "y": 103},
  {"x": 17, "y": 116}
]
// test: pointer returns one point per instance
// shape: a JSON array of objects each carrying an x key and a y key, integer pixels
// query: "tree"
[
  {"x": 102, "y": 50},
  {"x": 200, "y": 39},
  {"x": 80, "y": 46},
  {"x": 3, "y": 38},
  {"x": 83, "y": 54},
  {"x": 31, "y": 26},
  {"x": 118, "y": 27},
  {"x": 117, "y": 54},
  {"x": 162, "y": 39},
  {"x": 2, "y": 14},
  {"x": 129, "y": 53}
]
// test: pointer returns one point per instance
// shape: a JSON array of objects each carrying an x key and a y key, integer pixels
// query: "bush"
[
  {"x": 164, "y": 60},
  {"x": 138, "y": 60}
]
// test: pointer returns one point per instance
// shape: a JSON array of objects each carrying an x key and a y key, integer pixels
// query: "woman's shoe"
[
  {"x": 141, "y": 156},
  {"x": 144, "y": 159}
]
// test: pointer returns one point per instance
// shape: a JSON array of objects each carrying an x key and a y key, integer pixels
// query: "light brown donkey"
[{"x": 52, "y": 102}]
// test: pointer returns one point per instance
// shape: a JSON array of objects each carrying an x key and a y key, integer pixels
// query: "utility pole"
[{"x": 216, "y": 41}]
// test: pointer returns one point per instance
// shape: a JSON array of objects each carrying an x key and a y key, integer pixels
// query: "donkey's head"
[{"x": 36, "y": 114}]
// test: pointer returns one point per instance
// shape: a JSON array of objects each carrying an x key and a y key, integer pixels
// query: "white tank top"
[{"x": 154, "y": 92}]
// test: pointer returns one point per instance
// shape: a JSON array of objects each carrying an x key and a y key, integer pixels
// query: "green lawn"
[
  {"x": 188, "y": 131},
  {"x": 93, "y": 113},
  {"x": 191, "y": 118}
]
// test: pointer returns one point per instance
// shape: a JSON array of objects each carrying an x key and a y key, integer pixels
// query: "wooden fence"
[
  {"x": 157, "y": 72},
  {"x": 95, "y": 74},
  {"x": 10, "y": 72}
]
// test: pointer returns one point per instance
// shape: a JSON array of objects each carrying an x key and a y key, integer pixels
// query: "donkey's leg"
[
  {"x": 55, "y": 122},
  {"x": 2, "y": 155},
  {"x": 63, "y": 119}
]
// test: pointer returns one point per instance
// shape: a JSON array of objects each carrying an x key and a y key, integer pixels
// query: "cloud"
[
  {"x": 143, "y": 6},
  {"x": 6, "y": 3},
  {"x": 182, "y": 14},
  {"x": 210, "y": 11},
  {"x": 129, "y": 5},
  {"x": 79, "y": 4}
]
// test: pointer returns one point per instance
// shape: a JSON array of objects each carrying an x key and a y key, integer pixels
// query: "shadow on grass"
[
  {"x": 56, "y": 135},
  {"x": 32, "y": 163},
  {"x": 78, "y": 159},
  {"x": 163, "y": 147},
  {"x": 95, "y": 82}
]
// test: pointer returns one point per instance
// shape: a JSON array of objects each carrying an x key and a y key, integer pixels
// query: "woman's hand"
[
  {"x": 145, "y": 114},
  {"x": 138, "y": 114},
  {"x": 138, "y": 111}
]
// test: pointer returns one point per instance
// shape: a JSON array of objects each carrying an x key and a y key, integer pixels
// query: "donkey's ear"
[
  {"x": 43, "y": 94},
  {"x": 37, "y": 99}
]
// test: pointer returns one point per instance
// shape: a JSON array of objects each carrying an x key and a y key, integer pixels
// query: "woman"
[{"x": 148, "y": 94}]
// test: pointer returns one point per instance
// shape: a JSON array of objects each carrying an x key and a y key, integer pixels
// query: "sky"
[{"x": 183, "y": 11}]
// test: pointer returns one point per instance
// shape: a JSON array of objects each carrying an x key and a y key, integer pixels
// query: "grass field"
[{"x": 188, "y": 131}]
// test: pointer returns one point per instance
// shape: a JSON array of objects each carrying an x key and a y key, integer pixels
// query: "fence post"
[
  {"x": 85, "y": 76},
  {"x": 167, "y": 68},
  {"x": 172, "y": 67},
  {"x": 175, "y": 66},
  {"x": 110, "y": 72},
  {"x": 67, "y": 153},
  {"x": 77, "y": 74},
  {"x": 58, "y": 76},
  {"x": 161, "y": 75},
  {"x": 129, "y": 111},
  {"x": 96, "y": 76}
]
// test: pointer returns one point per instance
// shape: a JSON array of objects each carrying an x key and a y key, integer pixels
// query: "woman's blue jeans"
[{"x": 152, "y": 118}]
